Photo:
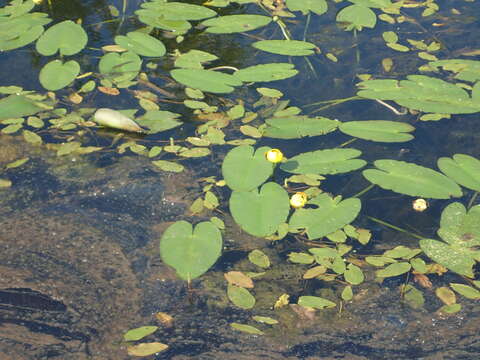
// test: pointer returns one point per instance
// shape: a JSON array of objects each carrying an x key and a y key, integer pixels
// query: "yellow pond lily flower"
[
  {"x": 274, "y": 156},
  {"x": 298, "y": 200},
  {"x": 420, "y": 205}
]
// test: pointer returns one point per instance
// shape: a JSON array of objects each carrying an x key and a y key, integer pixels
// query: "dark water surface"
[{"x": 79, "y": 261}]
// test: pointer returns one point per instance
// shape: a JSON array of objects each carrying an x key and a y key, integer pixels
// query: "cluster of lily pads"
[{"x": 259, "y": 205}]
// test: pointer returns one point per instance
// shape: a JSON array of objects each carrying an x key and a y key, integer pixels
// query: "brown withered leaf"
[
  {"x": 447, "y": 295},
  {"x": 238, "y": 278},
  {"x": 314, "y": 272},
  {"x": 422, "y": 280},
  {"x": 304, "y": 313},
  {"x": 165, "y": 319},
  {"x": 75, "y": 98},
  {"x": 109, "y": 90},
  {"x": 146, "y": 349}
]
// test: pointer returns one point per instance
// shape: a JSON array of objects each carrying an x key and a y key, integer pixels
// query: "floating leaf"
[
  {"x": 411, "y": 179},
  {"x": 246, "y": 328},
  {"x": 464, "y": 169},
  {"x": 465, "y": 290},
  {"x": 296, "y": 127},
  {"x": 330, "y": 161},
  {"x": 235, "y": 23},
  {"x": 66, "y": 37},
  {"x": 168, "y": 165},
  {"x": 420, "y": 92},
  {"x": 56, "y": 75},
  {"x": 300, "y": 258},
  {"x": 244, "y": 170},
  {"x": 206, "y": 80},
  {"x": 467, "y": 70},
  {"x": 445, "y": 294},
  {"x": 329, "y": 258},
  {"x": 30, "y": 34},
  {"x": 259, "y": 258},
  {"x": 413, "y": 296},
  {"x": 141, "y": 44},
  {"x": 15, "y": 106},
  {"x": 285, "y": 47},
  {"x": 457, "y": 260},
  {"x": 116, "y": 120},
  {"x": 159, "y": 120},
  {"x": 120, "y": 67},
  {"x": 315, "y": 302},
  {"x": 139, "y": 333},
  {"x": 330, "y": 215},
  {"x": 260, "y": 213},
  {"x": 318, "y": 7},
  {"x": 353, "y": 275},
  {"x": 357, "y": 17},
  {"x": 314, "y": 272},
  {"x": 191, "y": 252},
  {"x": 240, "y": 297},
  {"x": 395, "y": 269},
  {"x": 146, "y": 349},
  {"x": 378, "y": 130},
  {"x": 459, "y": 228},
  {"x": 266, "y": 72},
  {"x": 176, "y": 11}
]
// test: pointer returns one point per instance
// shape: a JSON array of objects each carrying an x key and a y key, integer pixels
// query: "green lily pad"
[
  {"x": 191, "y": 252},
  {"x": 456, "y": 259},
  {"x": 467, "y": 70},
  {"x": 120, "y": 67},
  {"x": 330, "y": 215},
  {"x": 241, "y": 297},
  {"x": 139, "y": 333},
  {"x": 296, "y": 127},
  {"x": 260, "y": 213},
  {"x": 157, "y": 20},
  {"x": 318, "y": 7},
  {"x": 423, "y": 93},
  {"x": 411, "y": 179},
  {"x": 16, "y": 106},
  {"x": 378, "y": 130},
  {"x": 285, "y": 47},
  {"x": 158, "y": 120},
  {"x": 66, "y": 37},
  {"x": 266, "y": 72},
  {"x": 464, "y": 169},
  {"x": 245, "y": 169},
  {"x": 395, "y": 269},
  {"x": 56, "y": 75},
  {"x": 329, "y": 161},
  {"x": 24, "y": 37},
  {"x": 459, "y": 227},
  {"x": 176, "y": 11},
  {"x": 206, "y": 80},
  {"x": 353, "y": 274},
  {"x": 357, "y": 17},
  {"x": 235, "y": 23},
  {"x": 330, "y": 258},
  {"x": 141, "y": 44},
  {"x": 315, "y": 302}
]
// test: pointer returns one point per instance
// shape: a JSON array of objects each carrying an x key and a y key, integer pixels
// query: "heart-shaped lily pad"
[
  {"x": 56, "y": 75},
  {"x": 191, "y": 252},
  {"x": 260, "y": 213},
  {"x": 141, "y": 44},
  {"x": 66, "y": 37},
  {"x": 120, "y": 67}
]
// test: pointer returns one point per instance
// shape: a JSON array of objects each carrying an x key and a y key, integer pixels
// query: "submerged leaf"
[
  {"x": 139, "y": 333},
  {"x": 241, "y": 297},
  {"x": 146, "y": 349},
  {"x": 246, "y": 328}
]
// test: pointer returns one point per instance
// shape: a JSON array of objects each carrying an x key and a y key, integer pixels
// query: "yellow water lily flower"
[
  {"x": 274, "y": 156},
  {"x": 298, "y": 200},
  {"x": 420, "y": 205}
]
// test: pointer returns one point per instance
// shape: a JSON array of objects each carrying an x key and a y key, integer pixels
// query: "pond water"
[{"x": 83, "y": 208}]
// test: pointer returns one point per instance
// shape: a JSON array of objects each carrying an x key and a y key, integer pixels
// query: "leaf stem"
[
  {"x": 368, "y": 188},
  {"x": 394, "y": 227}
]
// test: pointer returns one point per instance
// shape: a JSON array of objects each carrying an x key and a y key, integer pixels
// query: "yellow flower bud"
[
  {"x": 298, "y": 200},
  {"x": 274, "y": 156}
]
